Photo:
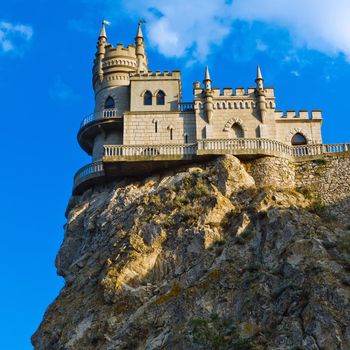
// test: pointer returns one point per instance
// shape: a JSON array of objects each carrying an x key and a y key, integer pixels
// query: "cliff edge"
[{"x": 222, "y": 255}]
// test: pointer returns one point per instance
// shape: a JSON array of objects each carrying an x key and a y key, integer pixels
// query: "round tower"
[{"x": 111, "y": 83}]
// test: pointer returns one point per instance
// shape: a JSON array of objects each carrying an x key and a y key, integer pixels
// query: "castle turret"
[
  {"x": 208, "y": 95},
  {"x": 101, "y": 50},
  {"x": 260, "y": 93},
  {"x": 207, "y": 80},
  {"x": 140, "y": 50}
]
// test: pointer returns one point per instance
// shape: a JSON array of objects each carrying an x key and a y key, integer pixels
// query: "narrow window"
[
  {"x": 155, "y": 127},
  {"x": 147, "y": 98},
  {"x": 171, "y": 134},
  {"x": 109, "y": 103},
  {"x": 160, "y": 98},
  {"x": 186, "y": 138},
  {"x": 237, "y": 131}
]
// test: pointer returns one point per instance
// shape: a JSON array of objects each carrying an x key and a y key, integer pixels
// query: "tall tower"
[
  {"x": 140, "y": 50},
  {"x": 261, "y": 96},
  {"x": 112, "y": 69},
  {"x": 208, "y": 95},
  {"x": 100, "y": 54}
]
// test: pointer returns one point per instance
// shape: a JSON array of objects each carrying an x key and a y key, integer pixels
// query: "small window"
[
  {"x": 156, "y": 127},
  {"x": 109, "y": 103},
  {"x": 186, "y": 138},
  {"x": 237, "y": 131},
  {"x": 171, "y": 134},
  {"x": 298, "y": 140},
  {"x": 160, "y": 98},
  {"x": 147, "y": 98}
]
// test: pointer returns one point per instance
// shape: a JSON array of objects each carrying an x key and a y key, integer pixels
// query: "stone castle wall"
[
  {"x": 327, "y": 178},
  {"x": 272, "y": 171},
  {"x": 139, "y": 130},
  {"x": 120, "y": 95}
]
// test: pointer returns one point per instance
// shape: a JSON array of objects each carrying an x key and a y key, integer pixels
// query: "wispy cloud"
[
  {"x": 295, "y": 73},
  {"x": 318, "y": 25},
  {"x": 62, "y": 92},
  {"x": 14, "y": 36},
  {"x": 195, "y": 27}
]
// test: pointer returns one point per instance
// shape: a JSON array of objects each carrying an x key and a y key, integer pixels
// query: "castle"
[{"x": 141, "y": 124}]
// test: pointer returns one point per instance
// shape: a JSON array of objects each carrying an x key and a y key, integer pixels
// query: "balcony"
[
  {"x": 91, "y": 125},
  {"x": 186, "y": 107},
  {"x": 149, "y": 152},
  {"x": 88, "y": 175},
  {"x": 111, "y": 113},
  {"x": 135, "y": 160}
]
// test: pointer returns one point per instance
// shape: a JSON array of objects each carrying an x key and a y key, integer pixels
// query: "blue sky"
[{"x": 46, "y": 54}]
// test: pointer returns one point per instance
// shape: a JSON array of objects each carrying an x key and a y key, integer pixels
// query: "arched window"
[
  {"x": 237, "y": 131},
  {"x": 298, "y": 140},
  {"x": 147, "y": 98},
  {"x": 109, "y": 103},
  {"x": 160, "y": 98}
]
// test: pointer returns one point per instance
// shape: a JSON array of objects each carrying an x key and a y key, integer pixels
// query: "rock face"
[{"x": 211, "y": 256}]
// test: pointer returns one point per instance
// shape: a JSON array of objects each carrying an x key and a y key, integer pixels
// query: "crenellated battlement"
[
  {"x": 235, "y": 104},
  {"x": 120, "y": 50},
  {"x": 238, "y": 91},
  {"x": 157, "y": 75},
  {"x": 302, "y": 114}
]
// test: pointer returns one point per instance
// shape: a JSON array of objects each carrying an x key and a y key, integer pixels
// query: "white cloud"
[
  {"x": 261, "y": 46},
  {"x": 295, "y": 73},
  {"x": 181, "y": 26},
  {"x": 12, "y": 36},
  {"x": 195, "y": 27},
  {"x": 321, "y": 25}
]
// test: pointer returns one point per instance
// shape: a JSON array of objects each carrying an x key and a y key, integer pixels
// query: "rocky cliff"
[{"x": 222, "y": 255}]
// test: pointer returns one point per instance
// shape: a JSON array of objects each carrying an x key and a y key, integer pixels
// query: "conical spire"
[
  {"x": 258, "y": 74},
  {"x": 207, "y": 80},
  {"x": 259, "y": 79},
  {"x": 207, "y": 74},
  {"x": 140, "y": 49},
  {"x": 103, "y": 31},
  {"x": 139, "y": 30}
]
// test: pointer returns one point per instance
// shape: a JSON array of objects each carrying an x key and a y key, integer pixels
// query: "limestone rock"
[
  {"x": 209, "y": 257},
  {"x": 232, "y": 176}
]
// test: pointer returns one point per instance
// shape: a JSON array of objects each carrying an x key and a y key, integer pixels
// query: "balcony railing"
[
  {"x": 186, "y": 106},
  {"x": 222, "y": 146},
  {"x": 203, "y": 147},
  {"x": 249, "y": 145},
  {"x": 87, "y": 172},
  {"x": 104, "y": 114},
  {"x": 315, "y": 150},
  {"x": 150, "y": 150}
]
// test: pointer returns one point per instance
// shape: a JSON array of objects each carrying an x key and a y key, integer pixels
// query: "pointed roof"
[
  {"x": 258, "y": 74},
  {"x": 207, "y": 75},
  {"x": 103, "y": 31},
  {"x": 139, "y": 31}
]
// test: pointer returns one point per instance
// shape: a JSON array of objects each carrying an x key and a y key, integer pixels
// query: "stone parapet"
[
  {"x": 302, "y": 115},
  {"x": 157, "y": 75}
]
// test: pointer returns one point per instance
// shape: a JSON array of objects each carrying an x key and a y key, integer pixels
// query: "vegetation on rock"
[{"x": 207, "y": 257}]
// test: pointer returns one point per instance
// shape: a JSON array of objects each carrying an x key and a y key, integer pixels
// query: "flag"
[{"x": 106, "y": 22}]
